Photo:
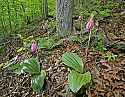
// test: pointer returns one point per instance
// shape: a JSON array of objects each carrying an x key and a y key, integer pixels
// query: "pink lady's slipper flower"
[
  {"x": 105, "y": 65},
  {"x": 34, "y": 47},
  {"x": 103, "y": 62},
  {"x": 90, "y": 24}
]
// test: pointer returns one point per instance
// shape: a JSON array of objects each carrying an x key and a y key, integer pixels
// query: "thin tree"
[{"x": 45, "y": 8}]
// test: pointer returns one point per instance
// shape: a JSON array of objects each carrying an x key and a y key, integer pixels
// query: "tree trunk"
[{"x": 64, "y": 17}]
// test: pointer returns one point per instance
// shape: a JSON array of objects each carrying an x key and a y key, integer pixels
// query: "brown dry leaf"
[
  {"x": 109, "y": 94},
  {"x": 91, "y": 93}
]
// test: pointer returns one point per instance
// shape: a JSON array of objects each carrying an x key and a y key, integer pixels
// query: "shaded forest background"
[{"x": 15, "y": 14}]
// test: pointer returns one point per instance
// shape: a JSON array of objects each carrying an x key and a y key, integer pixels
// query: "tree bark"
[{"x": 64, "y": 17}]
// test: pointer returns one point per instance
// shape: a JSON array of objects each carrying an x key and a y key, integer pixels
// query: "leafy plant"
[
  {"x": 110, "y": 56},
  {"x": 45, "y": 43},
  {"x": 76, "y": 39},
  {"x": 49, "y": 42},
  {"x": 100, "y": 45},
  {"x": 32, "y": 67},
  {"x": 77, "y": 76},
  {"x": 105, "y": 13},
  {"x": 85, "y": 7}
]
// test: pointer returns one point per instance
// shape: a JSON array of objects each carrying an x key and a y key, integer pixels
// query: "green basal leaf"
[
  {"x": 17, "y": 68},
  {"x": 77, "y": 80},
  {"x": 44, "y": 43},
  {"x": 37, "y": 81},
  {"x": 48, "y": 43},
  {"x": 31, "y": 66},
  {"x": 74, "y": 61}
]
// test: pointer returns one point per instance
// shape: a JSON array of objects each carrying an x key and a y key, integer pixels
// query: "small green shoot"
[
  {"x": 110, "y": 56},
  {"x": 100, "y": 45}
]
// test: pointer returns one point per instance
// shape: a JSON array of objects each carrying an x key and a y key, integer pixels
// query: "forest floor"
[{"x": 108, "y": 80}]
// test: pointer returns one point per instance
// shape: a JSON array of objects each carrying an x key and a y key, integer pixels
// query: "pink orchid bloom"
[
  {"x": 103, "y": 62},
  {"x": 90, "y": 24},
  {"x": 34, "y": 47}
]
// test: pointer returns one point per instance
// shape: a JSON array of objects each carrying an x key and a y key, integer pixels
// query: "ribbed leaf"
[
  {"x": 46, "y": 42},
  {"x": 49, "y": 42},
  {"x": 43, "y": 43},
  {"x": 77, "y": 80},
  {"x": 37, "y": 81},
  {"x": 74, "y": 61},
  {"x": 16, "y": 68},
  {"x": 31, "y": 66}
]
